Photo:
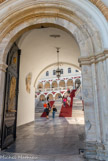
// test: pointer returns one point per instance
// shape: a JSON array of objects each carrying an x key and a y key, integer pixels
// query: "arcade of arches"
[
  {"x": 52, "y": 88},
  {"x": 27, "y": 48}
]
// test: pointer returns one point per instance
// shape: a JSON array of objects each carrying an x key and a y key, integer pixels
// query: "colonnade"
[{"x": 59, "y": 84}]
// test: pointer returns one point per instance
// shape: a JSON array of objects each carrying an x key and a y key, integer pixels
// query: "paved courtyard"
[{"x": 50, "y": 139}]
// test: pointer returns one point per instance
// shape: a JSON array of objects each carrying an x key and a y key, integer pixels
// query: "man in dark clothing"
[
  {"x": 49, "y": 106},
  {"x": 47, "y": 110},
  {"x": 54, "y": 111}
]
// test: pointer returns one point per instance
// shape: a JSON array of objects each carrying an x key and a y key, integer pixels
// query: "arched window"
[
  {"x": 77, "y": 83},
  {"x": 69, "y": 70},
  {"x": 54, "y": 72},
  {"x": 61, "y": 71},
  {"x": 76, "y": 70},
  {"x": 47, "y": 73}
]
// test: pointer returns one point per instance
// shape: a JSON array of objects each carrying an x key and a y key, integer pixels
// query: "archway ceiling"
[
  {"x": 39, "y": 49},
  {"x": 16, "y": 15},
  {"x": 79, "y": 15}
]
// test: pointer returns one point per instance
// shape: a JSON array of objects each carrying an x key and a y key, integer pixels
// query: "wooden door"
[{"x": 10, "y": 98}]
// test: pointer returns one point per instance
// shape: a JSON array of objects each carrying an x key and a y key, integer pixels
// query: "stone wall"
[
  {"x": 90, "y": 29},
  {"x": 98, "y": 3},
  {"x": 102, "y": 7}
]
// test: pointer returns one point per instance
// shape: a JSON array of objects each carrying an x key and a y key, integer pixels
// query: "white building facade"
[{"x": 50, "y": 85}]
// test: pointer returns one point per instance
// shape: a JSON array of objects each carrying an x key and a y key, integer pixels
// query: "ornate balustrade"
[{"x": 54, "y": 89}]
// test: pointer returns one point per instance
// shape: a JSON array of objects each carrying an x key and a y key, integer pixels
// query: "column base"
[{"x": 96, "y": 151}]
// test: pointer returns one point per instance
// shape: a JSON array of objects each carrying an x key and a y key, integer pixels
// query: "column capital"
[
  {"x": 93, "y": 59},
  {"x": 3, "y": 67}
]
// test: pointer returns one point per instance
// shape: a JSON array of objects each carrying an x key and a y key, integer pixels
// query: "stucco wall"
[
  {"x": 26, "y": 101},
  {"x": 38, "y": 49}
]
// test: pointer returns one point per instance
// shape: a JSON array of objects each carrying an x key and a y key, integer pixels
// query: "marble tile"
[{"x": 53, "y": 137}]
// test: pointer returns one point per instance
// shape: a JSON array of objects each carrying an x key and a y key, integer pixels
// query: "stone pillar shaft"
[
  {"x": 90, "y": 126},
  {"x": 95, "y": 83},
  {"x": 96, "y": 111},
  {"x": 101, "y": 97}
]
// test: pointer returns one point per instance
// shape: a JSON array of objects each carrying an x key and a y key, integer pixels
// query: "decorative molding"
[
  {"x": 66, "y": 63},
  {"x": 98, "y": 3},
  {"x": 3, "y": 67},
  {"x": 102, "y": 7},
  {"x": 93, "y": 59}
]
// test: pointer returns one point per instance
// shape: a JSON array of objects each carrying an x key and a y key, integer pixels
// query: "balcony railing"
[{"x": 54, "y": 89}]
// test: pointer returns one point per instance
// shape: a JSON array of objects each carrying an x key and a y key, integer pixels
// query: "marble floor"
[{"x": 58, "y": 139}]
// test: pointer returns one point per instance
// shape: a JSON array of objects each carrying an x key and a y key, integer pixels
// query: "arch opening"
[{"x": 90, "y": 41}]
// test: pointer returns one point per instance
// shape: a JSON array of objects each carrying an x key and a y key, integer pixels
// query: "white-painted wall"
[
  {"x": 26, "y": 101},
  {"x": 65, "y": 71},
  {"x": 38, "y": 51}
]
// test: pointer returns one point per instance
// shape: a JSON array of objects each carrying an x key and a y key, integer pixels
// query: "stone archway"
[
  {"x": 57, "y": 96},
  {"x": 50, "y": 95},
  {"x": 69, "y": 83},
  {"x": 54, "y": 84},
  {"x": 47, "y": 86},
  {"x": 40, "y": 86},
  {"x": 42, "y": 71},
  {"x": 77, "y": 83},
  {"x": 62, "y": 83},
  {"x": 92, "y": 40},
  {"x": 42, "y": 97}
]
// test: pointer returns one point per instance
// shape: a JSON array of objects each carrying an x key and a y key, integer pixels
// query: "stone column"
[
  {"x": 73, "y": 83},
  {"x": 2, "y": 85},
  {"x": 102, "y": 74},
  {"x": 50, "y": 86},
  {"x": 102, "y": 93},
  {"x": 88, "y": 97},
  {"x": 43, "y": 86},
  {"x": 66, "y": 84},
  {"x": 89, "y": 111},
  {"x": 58, "y": 81},
  {"x": 95, "y": 94},
  {"x": 94, "y": 83}
]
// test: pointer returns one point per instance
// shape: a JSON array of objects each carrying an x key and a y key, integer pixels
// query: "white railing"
[{"x": 54, "y": 89}]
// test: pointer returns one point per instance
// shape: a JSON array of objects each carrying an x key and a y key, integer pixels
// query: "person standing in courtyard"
[
  {"x": 49, "y": 106},
  {"x": 54, "y": 110},
  {"x": 47, "y": 110},
  {"x": 45, "y": 105},
  {"x": 64, "y": 101}
]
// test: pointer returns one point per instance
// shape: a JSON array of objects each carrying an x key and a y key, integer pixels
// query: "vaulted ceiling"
[{"x": 39, "y": 48}]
